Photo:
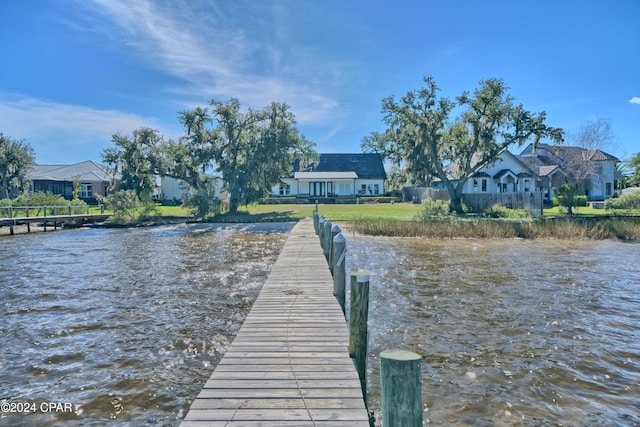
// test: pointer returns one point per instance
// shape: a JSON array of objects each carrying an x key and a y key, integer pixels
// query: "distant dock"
[{"x": 289, "y": 364}]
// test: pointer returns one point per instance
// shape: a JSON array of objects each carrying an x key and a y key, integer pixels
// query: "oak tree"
[{"x": 423, "y": 136}]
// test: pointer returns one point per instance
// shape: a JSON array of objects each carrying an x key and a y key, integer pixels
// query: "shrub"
[
  {"x": 628, "y": 201},
  {"x": 498, "y": 211},
  {"x": 569, "y": 196},
  {"x": 430, "y": 208},
  {"x": 128, "y": 207},
  {"x": 202, "y": 203}
]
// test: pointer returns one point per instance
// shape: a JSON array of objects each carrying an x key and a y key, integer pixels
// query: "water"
[
  {"x": 122, "y": 326},
  {"x": 511, "y": 332},
  {"x": 127, "y": 325}
]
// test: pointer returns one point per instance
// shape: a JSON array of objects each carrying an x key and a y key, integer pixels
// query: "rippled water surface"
[
  {"x": 124, "y": 325},
  {"x": 511, "y": 332}
]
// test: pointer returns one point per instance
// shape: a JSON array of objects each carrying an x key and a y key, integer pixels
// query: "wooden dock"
[
  {"x": 289, "y": 364},
  {"x": 51, "y": 221}
]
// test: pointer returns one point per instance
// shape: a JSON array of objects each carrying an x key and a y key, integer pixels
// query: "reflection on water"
[
  {"x": 511, "y": 332},
  {"x": 125, "y": 325}
]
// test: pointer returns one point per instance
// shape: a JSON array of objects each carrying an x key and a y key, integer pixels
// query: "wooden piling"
[
  {"x": 338, "y": 261},
  {"x": 401, "y": 384},
  {"x": 315, "y": 221},
  {"x": 358, "y": 319},
  {"x": 335, "y": 230},
  {"x": 321, "y": 230},
  {"x": 10, "y": 215},
  {"x": 327, "y": 239}
]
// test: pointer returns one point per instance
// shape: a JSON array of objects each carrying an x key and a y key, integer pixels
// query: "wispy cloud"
[
  {"x": 635, "y": 100},
  {"x": 58, "y": 131},
  {"x": 228, "y": 49}
]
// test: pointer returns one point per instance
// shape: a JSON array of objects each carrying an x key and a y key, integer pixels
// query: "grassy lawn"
[{"x": 338, "y": 212}]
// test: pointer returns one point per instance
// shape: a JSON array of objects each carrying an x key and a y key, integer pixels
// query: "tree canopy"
[
  {"x": 17, "y": 158},
  {"x": 428, "y": 142},
  {"x": 633, "y": 165},
  {"x": 252, "y": 151}
]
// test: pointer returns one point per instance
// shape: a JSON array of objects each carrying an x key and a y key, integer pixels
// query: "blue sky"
[{"x": 76, "y": 71}]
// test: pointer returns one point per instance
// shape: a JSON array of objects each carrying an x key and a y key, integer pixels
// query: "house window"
[
  {"x": 86, "y": 191},
  {"x": 608, "y": 190},
  {"x": 526, "y": 185},
  {"x": 344, "y": 189},
  {"x": 475, "y": 185},
  {"x": 484, "y": 185},
  {"x": 284, "y": 189},
  {"x": 363, "y": 189},
  {"x": 376, "y": 188}
]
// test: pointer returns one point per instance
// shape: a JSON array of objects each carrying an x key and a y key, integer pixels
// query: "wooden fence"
[{"x": 480, "y": 202}]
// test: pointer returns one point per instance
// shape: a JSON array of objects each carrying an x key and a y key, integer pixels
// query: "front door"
[{"x": 316, "y": 188}]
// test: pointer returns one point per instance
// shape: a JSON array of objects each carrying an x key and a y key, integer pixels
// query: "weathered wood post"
[
  {"x": 315, "y": 221},
  {"x": 10, "y": 215},
  {"x": 321, "y": 230},
  {"x": 69, "y": 210},
  {"x": 358, "y": 319},
  {"x": 338, "y": 261},
  {"x": 26, "y": 211},
  {"x": 401, "y": 384},
  {"x": 335, "y": 230},
  {"x": 101, "y": 209},
  {"x": 327, "y": 239}
]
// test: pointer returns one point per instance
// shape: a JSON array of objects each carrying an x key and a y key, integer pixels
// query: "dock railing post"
[
  {"x": 358, "y": 329},
  {"x": 338, "y": 261},
  {"x": 315, "y": 221},
  {"x": 327, "y": 239},
  {"x": 335, "y": 230},
  {"x": 401, "y": 385},
  {"x": 10, "y": 215},
  {"x": 321, "y": 230}
]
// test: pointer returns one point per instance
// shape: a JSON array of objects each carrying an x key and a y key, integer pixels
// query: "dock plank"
[{"x": 289, "y": 363}]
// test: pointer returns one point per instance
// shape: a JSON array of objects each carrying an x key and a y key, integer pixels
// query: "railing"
[
  {"x": 400, "y": 370},
  {"x": 44, "y": 211}
]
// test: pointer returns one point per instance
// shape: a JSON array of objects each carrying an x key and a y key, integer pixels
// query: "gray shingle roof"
[
  {"x": 365, "y": 165},
  {"x": 87, "y": 171}
]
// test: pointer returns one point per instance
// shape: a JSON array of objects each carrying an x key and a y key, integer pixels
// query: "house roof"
[
  {"x": 365, "y": 165},
  {"x": 571, "y": 154},
  {"x": 87, "y": 171},
  {"x": 325, "y": 175},
  {"x": 549, "y": 170},
  {"x": 504, "y": 172}
]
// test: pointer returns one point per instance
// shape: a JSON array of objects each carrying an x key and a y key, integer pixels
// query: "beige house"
[{"x": 594, "y": 171}]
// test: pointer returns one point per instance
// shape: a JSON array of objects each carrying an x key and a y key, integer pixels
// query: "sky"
[{"x": 75, "y": 72}]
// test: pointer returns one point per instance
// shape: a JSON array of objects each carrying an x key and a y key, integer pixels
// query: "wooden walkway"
[{"x": 289, "y": 364}]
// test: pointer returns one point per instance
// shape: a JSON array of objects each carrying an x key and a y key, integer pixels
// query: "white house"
[
  {"x": 172, "y": 189},
  {"x": 506, "y": 175},
  {"x": 337, "y": 175}
]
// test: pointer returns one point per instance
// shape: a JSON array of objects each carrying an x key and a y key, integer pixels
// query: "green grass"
[{"x": 337, "y": 212}]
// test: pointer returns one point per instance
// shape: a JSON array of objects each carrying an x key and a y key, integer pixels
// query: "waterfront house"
[
  {"x": 594, "y": 171},
  {"x": 507, "y": 174},
  {"x": 173, "y": 190},
  {"x": 94, "y": 179},
  {"x": 336, "y": 175}
]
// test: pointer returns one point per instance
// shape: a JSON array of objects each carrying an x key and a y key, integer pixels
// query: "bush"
[
  {"x": 433, "y": 209},
  {"x": 569, "y": 196},
  {"x": 498, "y": 211},
  {"x": 628, "y": 201},
  {"x": 128, "y": 207},
  {"x": 202, "y": 203}
]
